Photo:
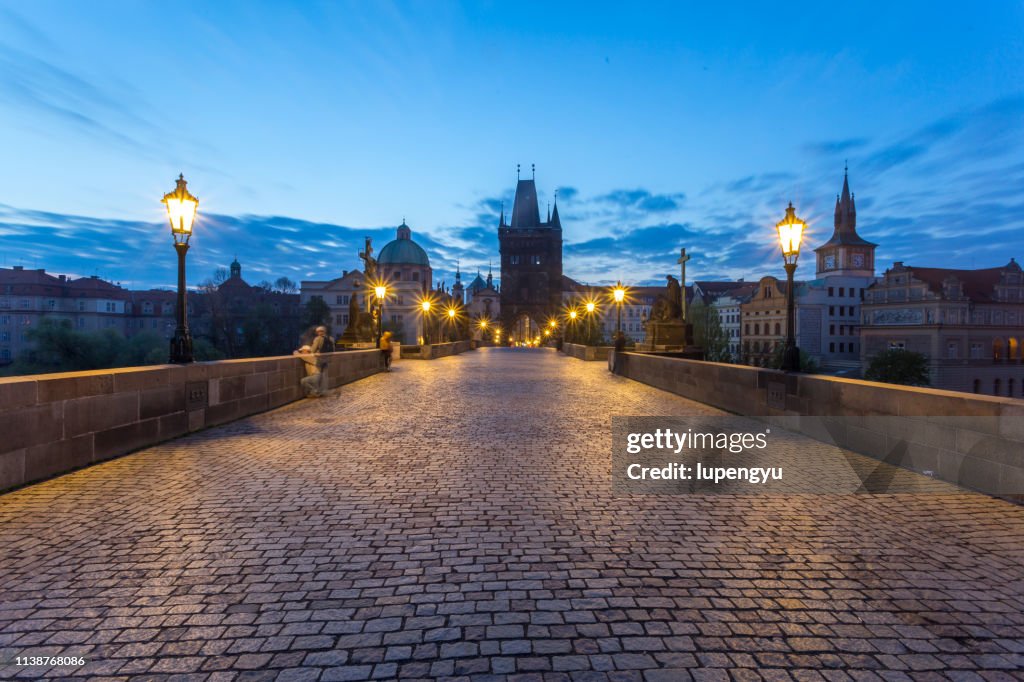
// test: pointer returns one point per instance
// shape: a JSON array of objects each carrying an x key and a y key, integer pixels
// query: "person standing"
[
  {"x": 321, "y": 346},
  {"x": 385, "y": 350},
  {"x": 620, "y": 348}
]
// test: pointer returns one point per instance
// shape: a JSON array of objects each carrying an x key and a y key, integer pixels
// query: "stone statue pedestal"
[{"x": 669, "y": 334}]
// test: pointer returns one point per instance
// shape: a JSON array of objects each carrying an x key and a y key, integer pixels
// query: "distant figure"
[
  {"x": 315, "y": 357},
  {"x": 385, "y": 350},
  {"x": 620, "y": 348}
]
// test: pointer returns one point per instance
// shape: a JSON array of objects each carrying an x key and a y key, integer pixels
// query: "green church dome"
[{"x": 403, "y": 250}]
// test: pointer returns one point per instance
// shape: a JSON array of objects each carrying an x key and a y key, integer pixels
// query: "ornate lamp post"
[
  {"x": 590, "y": 307},
  {"x": 425, "y": 306},
  {"x": 181, "y": 211},
  {"x": 620, "y": 295},
  {"x": 381, "y": 292},
  {"x": 791, "y": 230}
]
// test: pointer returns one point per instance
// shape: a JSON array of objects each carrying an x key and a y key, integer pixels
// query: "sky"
[{"x": 303, "y": 127}]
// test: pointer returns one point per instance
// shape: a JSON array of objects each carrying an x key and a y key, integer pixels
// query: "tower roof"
[
  {"x": 845, "y": 231},
  {"x": 525, "y": 211}
]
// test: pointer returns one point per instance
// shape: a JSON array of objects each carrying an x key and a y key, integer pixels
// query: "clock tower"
[{"x": 846, "y": 253}]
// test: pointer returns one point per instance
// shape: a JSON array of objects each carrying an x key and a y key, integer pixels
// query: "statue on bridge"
[
  {"x": 666, "y": 326},
  {"x": 369, "y": 262}
]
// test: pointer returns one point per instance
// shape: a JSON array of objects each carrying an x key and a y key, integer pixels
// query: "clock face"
[
  {"x": 858, "y": 260},
  {"x": 830, "y": 262}
]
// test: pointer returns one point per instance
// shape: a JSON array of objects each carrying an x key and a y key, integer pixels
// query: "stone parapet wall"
[
  {"x": 582, "y": 352},
  {"x": 975, "y": 441},
  {"x": 54, "y": 423},
  {"x": 440, "y": 350}
]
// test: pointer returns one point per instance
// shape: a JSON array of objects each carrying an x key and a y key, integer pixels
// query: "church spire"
[
  {"x": 846, "y": 215},
  {"x": 501, "y": 221},
  {"x": 553, "y": 218}
]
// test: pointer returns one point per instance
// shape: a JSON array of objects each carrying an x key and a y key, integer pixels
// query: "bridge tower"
[{"x": 531, "y": 261}]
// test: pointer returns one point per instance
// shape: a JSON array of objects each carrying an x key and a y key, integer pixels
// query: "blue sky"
[{"x": 304, "y": 127}]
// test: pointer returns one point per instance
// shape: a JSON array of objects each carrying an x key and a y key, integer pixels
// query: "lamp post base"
[
  {"x": 181, "y": 349},
  {"x": 791, "y": 359}
]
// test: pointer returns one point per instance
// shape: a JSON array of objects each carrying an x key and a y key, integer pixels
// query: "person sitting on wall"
[
  {"x": 311, "y": 382},
  {"x": 620, "y": 347}
]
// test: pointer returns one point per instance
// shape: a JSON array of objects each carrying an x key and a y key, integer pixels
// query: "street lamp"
[
  {"x": 381, "y": 292},
  {"x": 791, "y": 230},
  {"x": 620, "y": 295},
  {"x": 591, "y": 307},
  {"x": 425, "y": 305},
  {"x": 181, "y": 211}
]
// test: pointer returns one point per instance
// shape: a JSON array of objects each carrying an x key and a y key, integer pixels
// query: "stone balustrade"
[
  {"x": 582, "y": 352},
  {"x": 54, "y": 423},
  {"x": 974, "y": 441}
]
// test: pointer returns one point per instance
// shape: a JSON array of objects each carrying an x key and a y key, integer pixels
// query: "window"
[
  {"x": 5, "y": 354},
  {"x": 831, "y": 292},
  {"x": 853, "y": 347},
  {"x": 862, "y": 294},
  {"x": 841, "y": 290},
  {"x": 831, "y": 310},
  {"x": 977, "y": 386},
  {"x": 1009, "y": 387},
  {"x": 398, "y": 276},
  {"x": 5, "y": 336},
  {"x": 513, "y": 260},
  {"x": 81, "y": 306},
  {"x": 5, "y": 319},
  {"x": 952, "y": 350},
  {"x": 340, "y": 300},
  {"x": 831, "y": 330},
  {"x": 778, "y": 329},
  {"x": 51, "y": 304},
  {"x": 996, "y": 387},
  {"x": 344, "y": 319},
  {"x": 832, "y": 347},
  {"x": 842, "y": 347},
  {"x": 842, "y": 330},
  {"x": 976, "y": 352},
  {"x": 842, "y": 310},
  {"x": 81, "y": 323},
  {"x": 23, "y": 303},
  {"x": 147, "y": 308},
  {"x": 535, "y": 260},
  {"x": 416, "y": 276},
  {"x": 897, "y": 345},
  {"x": 757, "y": 329}
]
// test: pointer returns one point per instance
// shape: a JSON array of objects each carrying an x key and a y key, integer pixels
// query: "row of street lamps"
[{"x": 181, "y": 212}]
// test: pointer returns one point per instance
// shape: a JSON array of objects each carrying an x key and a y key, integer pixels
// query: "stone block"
[
  {"x": 197, "y": 420},
  {"x": 256, "y": 384},
  {"x": 12, "y": 469},
  {"x": 174, "y": 425},
  {"x": 50, "y": 459},
  {"x": 254, "y": 404},
  {"x": 98, "y": 413},
  {"x": 161, "y": 401},
  {"x": 17, "y": 392},
  {"x": 32, "y": 425},
  {"x": 223, "y": 412},
  {"x": 139, "y": 378},
  {"x": 229, "y": 389},
  {"x": 54, "y": 387},
  {"x": 124, "y": 439}
]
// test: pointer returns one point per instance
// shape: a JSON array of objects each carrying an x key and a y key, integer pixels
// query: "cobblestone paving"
[{"x": 454, "y": 519}]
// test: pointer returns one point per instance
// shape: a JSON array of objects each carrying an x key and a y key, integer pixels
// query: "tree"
[
  {"x": 285, "y": 286},
  {"x": 899, "y": 366},
  {"x": 317, "y": 313},
  {"x": 708, "y": 333}
]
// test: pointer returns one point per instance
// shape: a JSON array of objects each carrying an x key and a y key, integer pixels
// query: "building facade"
[
  {"x": 969, "y": 324},
  {"x": 764, "y": 322}
]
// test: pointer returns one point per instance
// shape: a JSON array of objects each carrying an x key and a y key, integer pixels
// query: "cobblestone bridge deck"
[{"x": 454, "y": 519}]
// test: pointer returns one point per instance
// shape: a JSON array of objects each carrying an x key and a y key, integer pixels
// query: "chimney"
[
  {"x": 19, "y": 267},
  {"x": 63, "y": 278}
]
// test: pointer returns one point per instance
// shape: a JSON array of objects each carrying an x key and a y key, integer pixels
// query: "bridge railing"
[
  {"x": 54, "y": 423},
  {"x": 974, "y": 441}
]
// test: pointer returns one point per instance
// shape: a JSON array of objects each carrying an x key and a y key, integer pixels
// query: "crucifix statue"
[{"x": 682, "y": 262}]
